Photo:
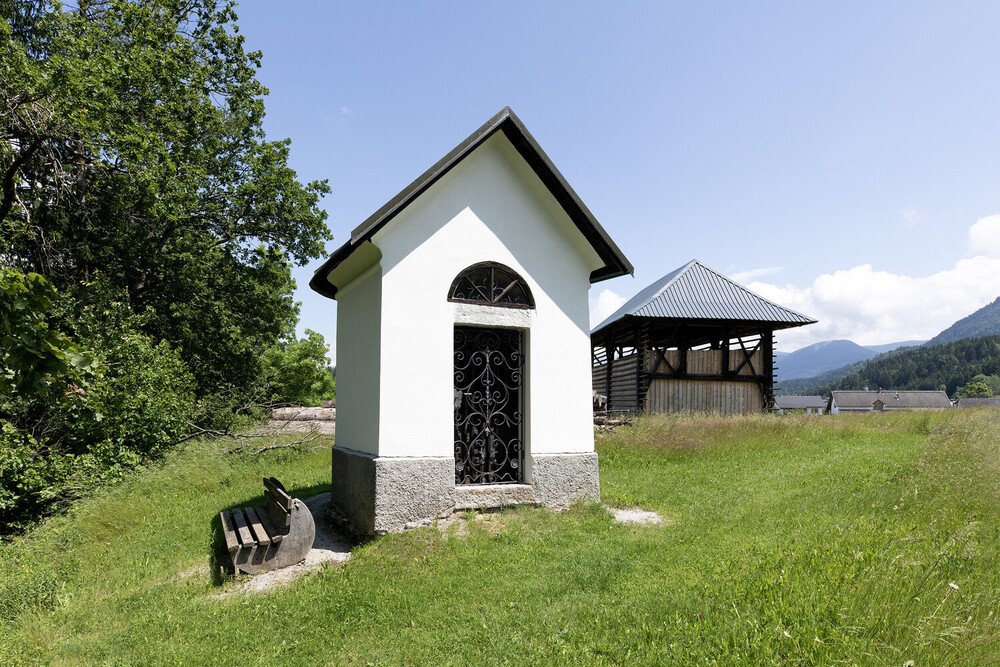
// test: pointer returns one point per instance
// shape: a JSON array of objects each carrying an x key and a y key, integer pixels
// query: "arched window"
[{"x": 491, "y": 284}]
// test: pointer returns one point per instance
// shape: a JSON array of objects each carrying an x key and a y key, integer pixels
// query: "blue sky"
[{"x": 840, "y": 158}]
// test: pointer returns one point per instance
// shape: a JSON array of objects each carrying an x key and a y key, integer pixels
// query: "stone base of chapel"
[{"x": 382, "y": 494}]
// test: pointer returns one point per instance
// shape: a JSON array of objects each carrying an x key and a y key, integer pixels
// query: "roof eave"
[{"x": 319, "y": 283}]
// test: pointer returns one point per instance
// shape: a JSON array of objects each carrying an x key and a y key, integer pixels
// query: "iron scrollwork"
[
  {"x": 492, "y": 284},
  {"x": 488, "y": 415}
]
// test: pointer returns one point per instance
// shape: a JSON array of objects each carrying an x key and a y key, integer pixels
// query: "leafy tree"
[
  {"x": 975, "y": 390},
  {"x": 298, "y": 370},
  {"x": 35, "y": 357},
  {"x": 133, "y": 153},
  {"x": 71, "y": 419},
  {"x": 147, "y": 220}
]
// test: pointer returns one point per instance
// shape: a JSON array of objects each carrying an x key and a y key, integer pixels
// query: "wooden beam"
[
  {"x": 637, "y": 346},
  {"x": 704, "y": 376},
  {"x": 609, "y": 352},
  {"x": 768, "y": 388},
  {"x": 725, "y": 352},
  {"x": 682, "y": 349},
  {"x": 747, "y": 355}
]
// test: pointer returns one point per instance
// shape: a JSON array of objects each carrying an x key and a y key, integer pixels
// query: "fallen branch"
[{"x": 290, "y": 445}]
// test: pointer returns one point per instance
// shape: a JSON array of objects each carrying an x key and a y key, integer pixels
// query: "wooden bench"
[{"x": 271, "y": 536}]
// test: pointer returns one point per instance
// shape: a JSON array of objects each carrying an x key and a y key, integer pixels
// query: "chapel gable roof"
[
  {"x": 696, "y": 292},
  {"x": 615, "y": 262}
]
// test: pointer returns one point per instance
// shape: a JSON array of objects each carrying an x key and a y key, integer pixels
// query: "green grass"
[{"x": 858, "y": 540}]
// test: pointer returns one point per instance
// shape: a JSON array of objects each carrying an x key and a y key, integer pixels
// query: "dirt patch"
[{"x": 330, "y": 548}]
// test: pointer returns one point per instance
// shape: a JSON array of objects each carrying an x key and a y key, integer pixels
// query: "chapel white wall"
[
  {"x": 359, "y": 312},
  {"x": 491, "y": 207}
]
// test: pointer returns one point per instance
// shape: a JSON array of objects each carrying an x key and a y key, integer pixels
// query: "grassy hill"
[{"x": 869, "y": 539}]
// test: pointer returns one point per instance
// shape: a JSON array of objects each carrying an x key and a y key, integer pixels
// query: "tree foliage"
[
  {"x": 133, "y": 152},
  {"x": 37, "y": 359},
  {"x": 975, "y": 389},
  {"x": 149, "y": 228},
  {"x": 298, "y": 370}
]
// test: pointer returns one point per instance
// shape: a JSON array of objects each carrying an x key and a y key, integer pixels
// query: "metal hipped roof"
[
  {"x": 506, "y": 122},
  {"x": 696, "y": 292}
]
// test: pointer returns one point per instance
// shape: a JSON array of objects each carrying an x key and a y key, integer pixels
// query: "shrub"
[
  {"x": 70, "y": 421},
  {"x": 297, "y": 370}
]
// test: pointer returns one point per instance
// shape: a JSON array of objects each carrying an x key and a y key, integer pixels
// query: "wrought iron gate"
[{"x": 488, "y": 415}]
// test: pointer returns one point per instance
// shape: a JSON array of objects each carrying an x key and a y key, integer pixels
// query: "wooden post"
[
  {"x": 609, "y": 353},
  {"x": 638, "y": 367},
  {"x": 682, "y": 355},
  {"x": 725, "y": 352},
  {"x": 767, "y": 341}
]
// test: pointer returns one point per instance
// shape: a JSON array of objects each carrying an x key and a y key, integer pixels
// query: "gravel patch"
[
  {"x": 635, "y": 515},
  {"x": 330, "y": 548}
]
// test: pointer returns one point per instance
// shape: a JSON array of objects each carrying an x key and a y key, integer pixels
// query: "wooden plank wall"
[
  {"x": 723, "y": 397},
  {"x": 622, "y": 394},
  {"x": 667, "y": 395}
]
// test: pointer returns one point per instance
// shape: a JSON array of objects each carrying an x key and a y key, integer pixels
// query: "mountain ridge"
[
  {"x": 828, "y": 355},
  {"x": 983, "y": 322}
]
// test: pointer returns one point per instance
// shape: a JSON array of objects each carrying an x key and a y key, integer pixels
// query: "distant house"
[
  {"x": 978, "y": 402},
  {"x": 810, "y": 405},
  {"x": 693, "y": 341},
  {"x": 886, "y": 401}
]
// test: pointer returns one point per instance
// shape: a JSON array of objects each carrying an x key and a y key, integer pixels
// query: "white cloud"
[
  {"x": 984, "y": 236},
  {"x": 602, "y": 307},
  {"x": 870, "y": 306},
  {"x": 345, "y": 111}
]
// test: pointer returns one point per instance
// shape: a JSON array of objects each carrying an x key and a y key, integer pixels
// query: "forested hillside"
[
  {"x": 149, "y": 228},
  {"x": 948, "y": 366},
  {"x": 795, "y": 386},
  {"x": 983, "y": 322}
]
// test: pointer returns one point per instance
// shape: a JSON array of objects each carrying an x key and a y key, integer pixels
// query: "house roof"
[
  {"x": 615, "y": 262},
  {"x": 799, "y": 402},
  {"x": 863, "y": 400},
  {"x": 696, "y": 292},
  {"x": 978, "y": 402}
]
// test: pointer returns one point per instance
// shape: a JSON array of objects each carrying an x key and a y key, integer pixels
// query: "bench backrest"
[{"x": 279, "y": 503}]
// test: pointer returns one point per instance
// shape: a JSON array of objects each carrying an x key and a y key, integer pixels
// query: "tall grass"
[{"x": 802, "y": 540}]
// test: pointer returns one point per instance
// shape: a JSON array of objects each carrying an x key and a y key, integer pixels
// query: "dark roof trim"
[{"x": 615, "y": 262}]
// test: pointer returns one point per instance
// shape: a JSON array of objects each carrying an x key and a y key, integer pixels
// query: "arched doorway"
[{"x": 488, "y": 378}]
